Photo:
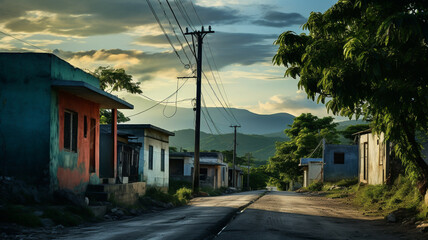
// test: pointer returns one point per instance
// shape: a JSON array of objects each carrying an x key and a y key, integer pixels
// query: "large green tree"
[
  {"x": 115, "y": 79},
  {"x": 368, "y": 58},
  {"x": 306, "y": 133}
]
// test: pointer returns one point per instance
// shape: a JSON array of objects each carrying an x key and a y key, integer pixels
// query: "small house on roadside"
[
  {"x": 374, "y": 157},
  {"x": 212, "y": 170},
  {"x": 142, "y": 154},
  {"x": 312, "y": 170},
  {"x": 49, "y": 121},
  {"x": 239, "y": 177},
  {"x": 338, "y": 162}
]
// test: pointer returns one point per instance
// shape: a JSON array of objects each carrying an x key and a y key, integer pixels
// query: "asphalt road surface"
[
  {"x": 203, "y": 218},
  {"x": 288, "y": 215}
]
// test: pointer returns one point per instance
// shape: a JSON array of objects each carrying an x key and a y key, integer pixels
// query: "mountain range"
[
  {"x": 174, "y": 119},
  {"x": 258, "y": 133}
]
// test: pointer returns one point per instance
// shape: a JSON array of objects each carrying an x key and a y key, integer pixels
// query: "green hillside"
[{"x": 261, "y": 147}]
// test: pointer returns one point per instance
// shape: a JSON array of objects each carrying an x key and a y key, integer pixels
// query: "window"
[
  {"x": 163, "y": 160},
  {"x": 203, "y": 173},
  {"x": 151, "y": 157},
  {"x": 339, "y": 158},
  {"x": 70, "y": 131},
  {"x": 366, "y": 160},
  {"x": 85, "y": 126}
]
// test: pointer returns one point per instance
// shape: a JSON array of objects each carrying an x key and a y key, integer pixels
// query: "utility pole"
[
  {"x": 200, "y": 36},
  {"x": 248, "y": 175},
  {"x": 234, "y": 156}
]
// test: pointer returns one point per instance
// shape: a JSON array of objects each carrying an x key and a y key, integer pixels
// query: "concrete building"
[
  {"x": 152, "y": 145},
  {"x": 312, "y": 170},
  {"x": 338, "y": 162},
  {"x": 213, "y": 171},
  {"x": 374, "y": 156},
  {"x": 49, "y": 121}
]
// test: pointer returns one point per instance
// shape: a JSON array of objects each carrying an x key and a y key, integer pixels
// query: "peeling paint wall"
[
  {"x": 72, "y": 170},
  {"x": 156, "y": 177},
  {"x": 378, "y": 156}
]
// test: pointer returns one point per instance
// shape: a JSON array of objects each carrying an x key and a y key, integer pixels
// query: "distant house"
[
  {"x": 239, "y": 177},
  {"x": 49, "y": 121},
  {"x": 374, "y": 157},
  {"x": 213, "y": 172},
  {"x": 338, "y": 162},
  {"x": 142, "y": 155},
  {"x": 312, "y": 170}
]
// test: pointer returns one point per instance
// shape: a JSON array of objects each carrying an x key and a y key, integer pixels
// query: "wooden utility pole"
[
  {"x": 199, "y": 36},
  {"x": 248, "y": 175},
  {"x": 234, "y": 156}
]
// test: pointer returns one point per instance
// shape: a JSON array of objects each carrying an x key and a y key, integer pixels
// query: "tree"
[
  {"x": 352, "y": 129},
  {"x": 112, "y": 79},
  {"x": 305, "y": 135},
  {"x": 368, "y": 58}
]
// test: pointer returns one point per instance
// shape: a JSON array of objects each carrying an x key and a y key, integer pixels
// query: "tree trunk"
[{"x": 419, "y": 162}]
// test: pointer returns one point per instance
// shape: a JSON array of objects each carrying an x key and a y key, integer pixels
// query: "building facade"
[{"x": 49, "y": 121}]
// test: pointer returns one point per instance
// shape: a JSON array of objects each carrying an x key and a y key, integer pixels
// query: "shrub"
[
  {"x": 315, "y": 186},
  {"x": 183, "y": 195}
]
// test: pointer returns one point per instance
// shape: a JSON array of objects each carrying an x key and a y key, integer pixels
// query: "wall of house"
[
  {"x": 377, "y": 159},
  {"x": 71, "y": 170},
  {"x": 61, "y": 70},
  {"x": 335, "y": 172},
  {"x": 156, "y": 177},
  {"x": 25, "y": 95},
  {"x": 314, "y": 172}
]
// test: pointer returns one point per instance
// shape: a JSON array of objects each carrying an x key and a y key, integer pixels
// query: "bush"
[
  {"x": 315, "y": 186},
  {"x": 175, "y": 185},
  {"x": 183, "y": 195}
]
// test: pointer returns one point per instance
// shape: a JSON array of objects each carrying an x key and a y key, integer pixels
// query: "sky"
[{"x": 237, "y": 58}]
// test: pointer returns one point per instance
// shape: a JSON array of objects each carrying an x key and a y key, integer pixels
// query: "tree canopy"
[
  {"x": 368, "y": 58},
  {"x": 306, "y": 133},
  {"x": 112, "y": 79}
]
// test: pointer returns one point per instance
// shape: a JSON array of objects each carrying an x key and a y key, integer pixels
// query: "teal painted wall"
[
  {"x": 62, "y": 70},
  {"x": 25, "y": 111},
  {"x": 29, "y": 118}
]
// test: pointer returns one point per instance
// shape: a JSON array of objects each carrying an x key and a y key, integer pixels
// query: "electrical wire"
[
  {"x": 175, "y": 34},
  {"x": 164, "y": 32},
  {"x": 30, "y": 44},
  {"x": 172, "y": 94},
  {"x": 181, "y": 29}
]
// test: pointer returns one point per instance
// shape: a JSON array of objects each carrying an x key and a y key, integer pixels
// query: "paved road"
[
  {"x": 203, "y": 218},
  {"x": 287, "y": 215}
]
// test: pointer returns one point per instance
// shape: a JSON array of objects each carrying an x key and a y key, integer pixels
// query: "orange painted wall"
[{"x": 72, "y": 173}]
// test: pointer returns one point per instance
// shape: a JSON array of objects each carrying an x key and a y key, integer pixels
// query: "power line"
[
  {"x": 175, "y": 34},
  {"x": 164, "y": 32},
  {"x": 145, "y": 110},
  {"x": 10, "y": 35},
  {"x": 181, "y": 29}
]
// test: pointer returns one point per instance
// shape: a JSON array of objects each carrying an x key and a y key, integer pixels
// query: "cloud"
[
  {"x": 98, "y": 17},
  {"x": 280, "y": 19},
  {"x": 294, "y": 105},
  {"x": 143, "y": 66}
]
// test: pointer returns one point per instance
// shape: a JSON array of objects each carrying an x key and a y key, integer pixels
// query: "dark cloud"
[
  {"x": 241, "y": 48},
  {"x": 95, "y": 17},
  {"x": 228, "y": 48},
  {"x": 280, "y": 19}
]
